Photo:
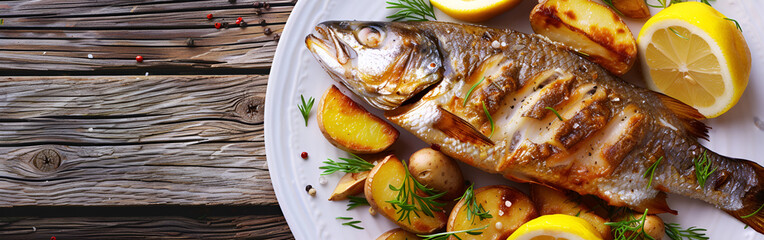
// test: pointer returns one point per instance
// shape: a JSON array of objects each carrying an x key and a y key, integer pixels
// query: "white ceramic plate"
[{"x": 296, "y": 73}]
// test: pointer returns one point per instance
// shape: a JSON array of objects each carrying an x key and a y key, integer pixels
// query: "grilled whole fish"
[{"x": 491, "y": 98}]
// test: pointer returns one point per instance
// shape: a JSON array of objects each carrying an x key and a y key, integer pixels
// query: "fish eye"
[{"x": 370, "y": 36}]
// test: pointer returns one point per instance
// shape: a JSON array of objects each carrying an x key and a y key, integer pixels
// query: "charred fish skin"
[{"x": 495, "y": 104}]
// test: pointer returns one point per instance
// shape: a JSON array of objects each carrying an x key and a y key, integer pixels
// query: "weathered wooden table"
[{"x": 95, "y": 145}]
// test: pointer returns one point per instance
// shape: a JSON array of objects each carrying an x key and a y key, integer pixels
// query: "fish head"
[{"x": 384, "y": 63}]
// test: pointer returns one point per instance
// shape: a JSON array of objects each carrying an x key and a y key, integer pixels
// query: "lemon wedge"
[
  {"x": 556, "y": 227},
  {"x": 474, "y": 10},
  {"x": 690, "y": 52}
]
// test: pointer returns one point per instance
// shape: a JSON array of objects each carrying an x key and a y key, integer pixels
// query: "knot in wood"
[
  {"x": 46, "y": 160},
  {"x": 251, "y": 108}
]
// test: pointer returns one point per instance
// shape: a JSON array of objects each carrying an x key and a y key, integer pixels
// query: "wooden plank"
[
  {"x": 107, "y": 35},
  {"x": 146, "y": 227},
  {"x": 104, "y": 141}
]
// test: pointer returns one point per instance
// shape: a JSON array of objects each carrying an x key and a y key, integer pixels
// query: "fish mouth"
[{"x": 326, "y": 47}]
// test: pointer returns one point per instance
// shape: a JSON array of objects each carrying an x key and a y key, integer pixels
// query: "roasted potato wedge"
[
  {"x": 589, "y": 28},
  {"x": 349, "y": 185},
  {"x": 509, "y": 209},
  {"x": 391, "y": 172},
  {"x": 549, "y": 201},
  {"x": 438, "y": 171},
  {"x": 350, "y": 127},
  {"x": 632, "y": 8},
  {"x": 398, "y": 234}
]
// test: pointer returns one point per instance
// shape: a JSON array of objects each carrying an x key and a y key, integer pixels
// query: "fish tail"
[{"x": 752, "y": 213}]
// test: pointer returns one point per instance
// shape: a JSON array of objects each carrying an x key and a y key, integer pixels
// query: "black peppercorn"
[
  {"x": 257, "y": 4},
  {"x": 267, "y": 31},
  {"x": 262, "y": 22}
]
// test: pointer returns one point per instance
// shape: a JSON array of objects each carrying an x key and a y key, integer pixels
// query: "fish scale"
[{"x": 611, "y": 131}]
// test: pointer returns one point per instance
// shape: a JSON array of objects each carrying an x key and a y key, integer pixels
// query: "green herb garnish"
[
  {"x": 490, "y": 119},
  {"x": 675, "y": 232},
  {"x": 356, "y": 202},
  {"x": 630, "y": 228},
  {"x": 408, "y": 201},
  {"x": 473, "y": 207},
  {"x": 414, "y": 10},
  {"x": 305, "y": 108},
  {"x": 446, "y": 235},
  {"x": 470, "y": 91},
  {"x": 351, "y": 223},
  {"x": 736, "y": 23},
  {"x": 651, "y": 171},
  {"x": 677, "y": 33},
  {"x": 555, "y": 113},
  {"x": 754, "y": 213},
  {"x": 702, "y": 166},
  {"x": 609, "y": 3},
  {"x": 348, "y": 165}
]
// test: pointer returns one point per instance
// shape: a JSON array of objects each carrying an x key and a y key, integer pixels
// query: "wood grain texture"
[
  {"x": 73, "y": 35},
  {"x": 104, "y": 141},
  {"x": 151, "y": 227}
]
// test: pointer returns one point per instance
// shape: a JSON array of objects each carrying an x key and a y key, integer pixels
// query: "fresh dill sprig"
[
  {"x": 414, "y": 10},
  {"x": 754, "y": 213},
  {"x": 470, "y": 91},
  {"x": 737, "y": 24},
  {"x": 630, "y": 228},
  {"x": 351, "y": 223},
  {"x": 473, "y": 207},
  {"x": 675, "y": 232},
  {"x": 651, "y": 171},
  {"x": 609, "y": 3},
  {"x": 355, "y": 164},
  {"x": 305, "y": 108},
  {"x": 408, "y": 201},
  {"x": 555, "y": 113},
  {"x": 446, "y": 235},
  {"x": 356, "y": 202},
  {"x": 490, "y": 119},
  {"x": 677, "y": 33},
  {"x": 702, "y": 166}
]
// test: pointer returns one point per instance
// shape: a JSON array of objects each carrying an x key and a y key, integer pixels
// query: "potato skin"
[
  {"x": 350, "y": 184},
  {"x": 398, "y": 234},
  {"x": 550, "y": 201},
  {"x": 391, "y": 171},
  {"x": 507, "y": 205},
  {"x": 589, "y": 28},
  {"x": 438, "y": 171},
  {"x": 632, "y": 8},
  {"x": 348, "y": 126}
]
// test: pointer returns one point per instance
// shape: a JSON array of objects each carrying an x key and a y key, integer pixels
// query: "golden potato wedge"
[
  {"x": 509, "y": 209},
  {"x": 589, "y": 28},
  {"x": 398, "y": 234},
  {"x": 549, "y": 201},
  {"x": 349, "y": 185},
  {"x": 632, "y": 8},
  {"x": 391, "y": 172},
  {"x": 350, "y": 127},
  {"x": 438, "y": 171}
]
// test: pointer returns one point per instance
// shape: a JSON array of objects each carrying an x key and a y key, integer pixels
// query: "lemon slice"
[
  {"x": 556, "y": 227},
  {"x": 474, "y": 10},
  {"x": 690, "y": 52}
]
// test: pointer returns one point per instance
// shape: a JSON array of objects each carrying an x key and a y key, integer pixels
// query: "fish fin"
[
  {"x": 656, "y": 205},
  {"x": 752, "y": 213},
  {"x": 689, "y": 115},
  {"x": 458, "y": 128}
]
